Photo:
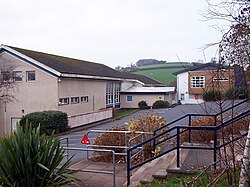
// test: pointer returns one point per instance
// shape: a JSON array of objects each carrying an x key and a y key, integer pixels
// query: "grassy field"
[
  {"x": 162, "y": 75},
  {"x": 180, "y": 64}
]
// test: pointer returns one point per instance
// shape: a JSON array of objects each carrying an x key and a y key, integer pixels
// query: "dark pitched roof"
[
  {"x": 80, "y": 67},
  {"x": 203, "y": 67},
  {"x": 142, "y": 78}
]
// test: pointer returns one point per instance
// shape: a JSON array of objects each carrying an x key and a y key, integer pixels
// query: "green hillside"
[
  {"x": 161, "y": 72},
  {"x": 167, "y": 65}
]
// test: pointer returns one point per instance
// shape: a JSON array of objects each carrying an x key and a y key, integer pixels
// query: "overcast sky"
[{"x": 112, "y": 32}]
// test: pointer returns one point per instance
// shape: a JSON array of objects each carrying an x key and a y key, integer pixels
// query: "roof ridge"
[{"x": 50, "y": 54}]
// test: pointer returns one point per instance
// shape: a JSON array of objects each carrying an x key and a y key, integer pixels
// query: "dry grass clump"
[
  {"x": 110, "y": 139},
  {"x": 206, "y": 136},
  {"x": 146, "y": 123}
]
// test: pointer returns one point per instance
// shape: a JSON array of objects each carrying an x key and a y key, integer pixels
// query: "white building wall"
[
  {"x": 128, "y": 84},
  {"x": 182, "y": 87}
]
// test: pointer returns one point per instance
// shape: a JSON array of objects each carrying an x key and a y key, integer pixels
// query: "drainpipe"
[
  {"x": 5, "y": 117},
  {"x": 114, "y": 94},
  {"x": 93, "y": 103}
]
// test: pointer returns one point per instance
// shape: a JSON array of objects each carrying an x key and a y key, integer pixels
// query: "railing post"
[
  {"x": 178, "y": 147},
  {"x": 67, "y": 139},
  {"x": 154, "y": 147},
  {"x": 113, "y": 153},
  {"x": 215, "y": 120},
  {"x": 128, "y": 168},
  {"x": 143, "y": 150},
  {"x": 189, "y": 131},
  {"x": 215, "y": 147}
]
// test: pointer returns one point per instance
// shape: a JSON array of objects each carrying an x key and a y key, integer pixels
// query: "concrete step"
[{"x": 151, "y": 170}]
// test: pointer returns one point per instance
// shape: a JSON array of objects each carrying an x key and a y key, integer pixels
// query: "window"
[
  {"x": 182, "y": 97},
  {"x": 30, "y": 76},
  {"x": 198, "y": 82},
  {"x": 74, "y": 100},
  {"x": 64, "y": 101},
  {"x": 129, "y": 98},
  {"x": 6, "y": 76},
  {"x": 17, "y": 76},
  {"x": 84, "y": 99},
  {"x": 113, "y": 93}
]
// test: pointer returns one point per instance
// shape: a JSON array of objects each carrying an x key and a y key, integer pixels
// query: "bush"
[
  {"x": 212, "y": 95},
  {"x": 233, "y": 93},
  {"x": 160, "y": 104},
  {"x": 147, "y": 123},
  {"x": 143, "y": 124},
  {"x": 143, "y": 105},
  {"x": 31, "y": 159},
  {"x": 110, "y": 139},
  {"x": 49, "y": 121}
]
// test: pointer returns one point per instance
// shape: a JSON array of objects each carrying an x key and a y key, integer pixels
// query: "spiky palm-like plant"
[{"x": 29, "y": 159}]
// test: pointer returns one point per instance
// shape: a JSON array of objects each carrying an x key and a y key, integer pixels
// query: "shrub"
[
  {"x": 144, "y": 124},
  {"x": 110, "y": 139},
  {"x": 212, "y": 95},
  {"x": 143, "y": 105},
  {"x": 233, "y": 93},
  {"x": 49, "y": 121},
  {"x": 31, "y": 159},
  {"x": 160, "y": 104}
]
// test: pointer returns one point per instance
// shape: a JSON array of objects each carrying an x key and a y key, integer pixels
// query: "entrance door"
[{"x": 14, "y": 123}]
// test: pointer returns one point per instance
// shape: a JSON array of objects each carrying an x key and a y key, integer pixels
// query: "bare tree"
[
  {"x": 7, "y": 81},
  {"x": 234, "y": 52}
]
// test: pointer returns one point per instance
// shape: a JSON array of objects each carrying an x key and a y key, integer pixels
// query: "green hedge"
[
  {"x": 49, "y": 121},
  {"x": 160, "y": 104},
  {"x": 143, "y": 105},
  {"x": 212, "y": 95}
]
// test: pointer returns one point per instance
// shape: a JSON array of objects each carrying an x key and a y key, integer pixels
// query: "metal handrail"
[
  {"x": 97, "y": 171},
  {"x": 190, "y": 115},
  {"x": 177, "y": 147},
  {"x": 67, "y": 144},
  {"x": 127, "y": 142}
]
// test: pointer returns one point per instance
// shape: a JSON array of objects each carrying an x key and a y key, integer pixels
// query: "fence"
[{"x": 84, "y": 119}]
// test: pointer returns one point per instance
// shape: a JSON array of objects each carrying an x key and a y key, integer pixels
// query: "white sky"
[{"x": 112, "y": 32}]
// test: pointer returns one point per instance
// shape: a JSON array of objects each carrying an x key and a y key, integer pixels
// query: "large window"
[
  {"x": 113, "y": 93},
  {"x": 30, "y": 76},
  {"x": 198, "y": 82}
]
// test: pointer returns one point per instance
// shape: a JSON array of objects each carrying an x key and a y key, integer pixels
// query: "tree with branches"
[{"x": 233, "y": 52}]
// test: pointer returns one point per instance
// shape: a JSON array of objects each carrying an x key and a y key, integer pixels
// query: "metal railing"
[
  {"x": 181, "y": 129},
  {"x": 128, "y": 140},
  {"x": 67, "y": 145},
  {"x": 96, "y": 171}
]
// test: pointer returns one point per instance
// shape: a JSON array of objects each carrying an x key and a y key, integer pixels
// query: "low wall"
[{"x": 87, "y": 118}]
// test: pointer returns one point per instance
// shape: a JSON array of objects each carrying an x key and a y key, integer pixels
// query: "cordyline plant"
[{"x": 29, "y": 159}]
